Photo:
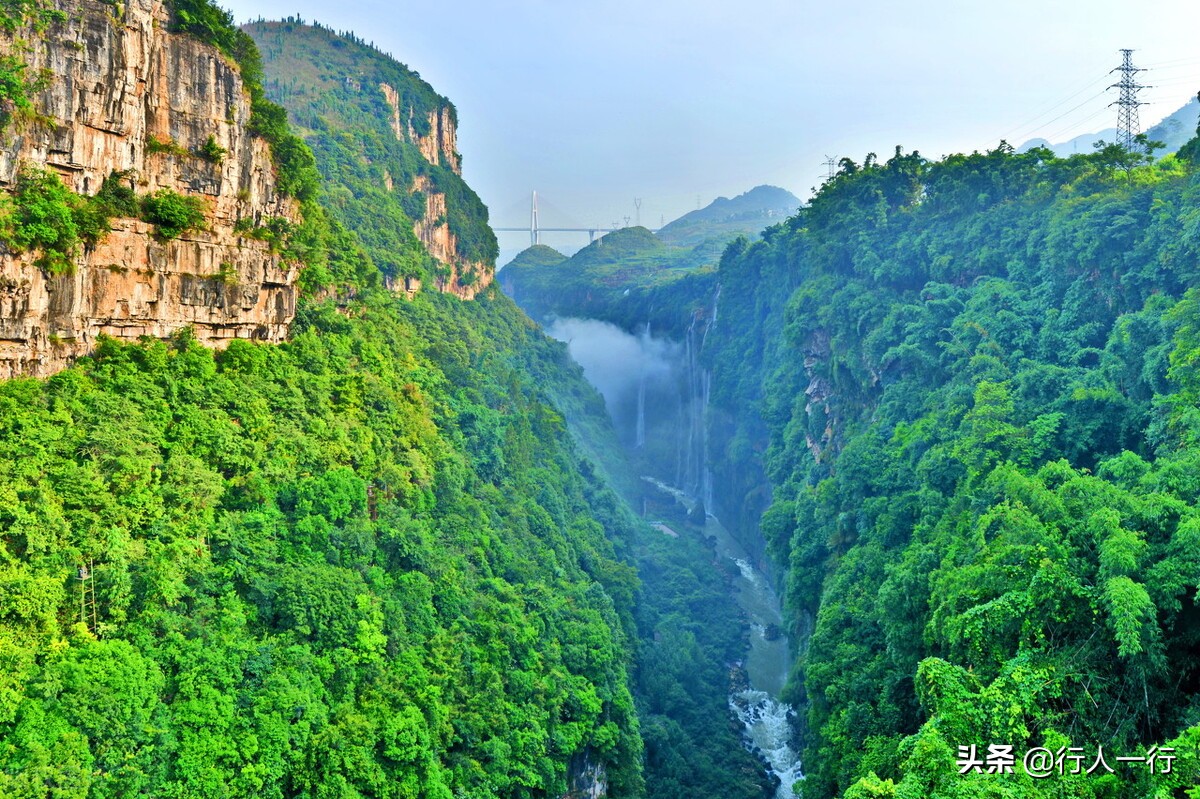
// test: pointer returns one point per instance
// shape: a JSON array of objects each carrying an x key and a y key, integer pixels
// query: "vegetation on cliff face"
[
  {"x": 296, "y": 172},
  {"x": 42, "y": 215}
]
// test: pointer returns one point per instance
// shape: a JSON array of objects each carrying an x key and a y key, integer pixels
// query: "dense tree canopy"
[
  {"x": 302, "y": 566},
  {"x": 974, "y": 387}
]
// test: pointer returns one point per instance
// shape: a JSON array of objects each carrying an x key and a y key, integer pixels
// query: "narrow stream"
[{"x": 766, "y": 719}]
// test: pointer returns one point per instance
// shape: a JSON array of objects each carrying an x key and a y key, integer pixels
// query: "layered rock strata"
[{"x": 125, "y": 95}]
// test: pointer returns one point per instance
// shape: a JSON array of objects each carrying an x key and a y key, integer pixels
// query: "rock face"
[
  {"x": 438, "y": 147},
  {"x": 586, "y": 779},
  {"x": 121, "y": 87}
]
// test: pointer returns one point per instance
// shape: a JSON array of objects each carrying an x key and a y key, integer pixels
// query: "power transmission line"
[
  {"x": 1064, "y": 132},
  {"x": 1051, "y": 109},
  {"x": 1069, "y": 111}
]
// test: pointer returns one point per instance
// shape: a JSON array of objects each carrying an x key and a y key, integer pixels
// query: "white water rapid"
[{"x": 766, "y": 720}]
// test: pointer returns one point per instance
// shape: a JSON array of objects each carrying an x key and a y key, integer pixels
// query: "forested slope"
[
  {"x": 974, "y": 386},
  {"x": 681, "y": 633},
  {"x": 306, "y": 564},
  {"x": 368, "y": 562},
  {"x": 386, "y": 144}
]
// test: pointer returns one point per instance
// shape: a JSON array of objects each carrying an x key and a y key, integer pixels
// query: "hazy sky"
[{"x": 595, "y": 103}]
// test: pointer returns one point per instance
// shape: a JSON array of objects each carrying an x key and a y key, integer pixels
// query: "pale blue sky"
[{"x": 595, "y": 103}]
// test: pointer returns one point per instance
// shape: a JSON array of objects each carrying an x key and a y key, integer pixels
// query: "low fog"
[{"x": 616, "y": 362}]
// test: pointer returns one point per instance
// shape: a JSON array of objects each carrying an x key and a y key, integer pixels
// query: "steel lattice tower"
[{"x": 1128, "y": 126}]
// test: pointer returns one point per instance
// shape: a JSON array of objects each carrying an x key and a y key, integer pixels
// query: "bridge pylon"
[{"x": 535, "y": 235}]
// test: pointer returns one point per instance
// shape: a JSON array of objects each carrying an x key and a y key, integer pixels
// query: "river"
[{"x": 766, "y": 720}]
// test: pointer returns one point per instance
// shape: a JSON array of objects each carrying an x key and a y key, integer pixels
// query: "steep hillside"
[
  {"x": 968, "y": 388},
  {"x": 283, "y": 568},
  {"x": 370, "y": 560},
  {"x": 975, "y": 381},
  {"x": 387, "y": 145}
]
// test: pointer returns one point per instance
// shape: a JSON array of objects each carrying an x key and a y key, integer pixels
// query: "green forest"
[
  {"x": 221, "y": 569},
  {"x": 979, "y": 384},
  {"x": 955, "y": 402}
]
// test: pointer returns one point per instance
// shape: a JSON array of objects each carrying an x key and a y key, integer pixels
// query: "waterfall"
[
  {"x": 639, "y": 436},
  {"x": 693, "y": 474},
  {"x": 639, "y": 433},
  {"x": 712, "y": 318},
  {"x": 706, "y": 481}
]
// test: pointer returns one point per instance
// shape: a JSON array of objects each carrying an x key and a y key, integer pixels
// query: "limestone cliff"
[
  {"x": 586, "y": 778},
  {"x": 126, "y": 95},
  {"x": 440, "y": 148}
]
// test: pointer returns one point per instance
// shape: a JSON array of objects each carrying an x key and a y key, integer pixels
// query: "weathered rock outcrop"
[
  {"x": 586, "y": 778},
  {"x": 438, "y": 147},
  {"x": 120, "y": 83}
]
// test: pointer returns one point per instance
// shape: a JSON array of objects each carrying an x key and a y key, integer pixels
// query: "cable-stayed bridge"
[{"x": 536, "y": 229}]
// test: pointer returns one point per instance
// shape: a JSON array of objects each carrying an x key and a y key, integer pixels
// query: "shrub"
[
  {"x": 211, "y": 151},
  {"x": 17, "y": 89},
  {"x": 172, "y": 213},
  {"x": 168, "y": 146},
  {"x": 117, "y": 198},
  {"x": 47, "y": 216}
]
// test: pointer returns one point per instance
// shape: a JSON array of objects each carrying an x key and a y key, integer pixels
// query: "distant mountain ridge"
[
  {"x": 1173, "y": 131},
  {"x": 615, "y": 275},
  {"x": 745, "y": 214}
]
